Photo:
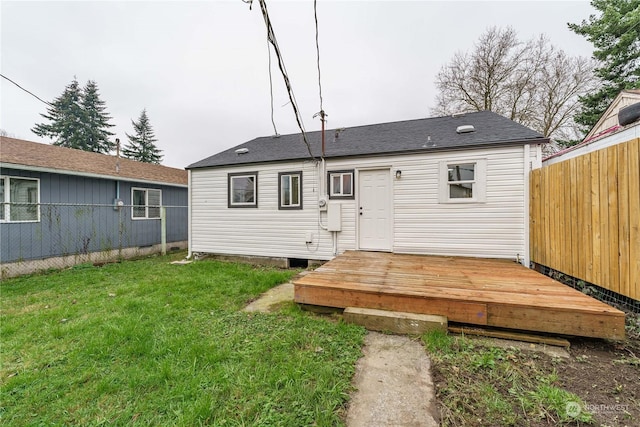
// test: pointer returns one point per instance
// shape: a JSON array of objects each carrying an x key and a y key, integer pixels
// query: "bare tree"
[{"x": 533, "y": 83}]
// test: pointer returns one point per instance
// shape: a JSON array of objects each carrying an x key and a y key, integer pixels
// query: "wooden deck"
[{"x": 487, "y": 292}]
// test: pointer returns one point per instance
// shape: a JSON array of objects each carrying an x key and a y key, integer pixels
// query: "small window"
[
  {"x": 340, "y": 184},
  {"x": 463, "y": 182},
  {"x": 146, "y": 203},
  {"x": 290, "y": 195},
  {"x": 243, "y": 190},
  {"x": 20, "y": 199}
]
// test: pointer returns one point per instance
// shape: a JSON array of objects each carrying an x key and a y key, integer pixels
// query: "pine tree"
[
  {"x": 78, "y": 119},
  {"x": 66, "y": 117},
  {"x": 142, "y": 146},
  {"x": 614, "y": 35},
  {"x": 96, "y": 133}
]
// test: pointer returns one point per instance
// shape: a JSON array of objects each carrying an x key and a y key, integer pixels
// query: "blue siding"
[{"x": 67, "y": 230}]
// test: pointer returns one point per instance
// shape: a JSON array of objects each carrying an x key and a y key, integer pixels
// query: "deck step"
[{"x": 394, "y": 321}]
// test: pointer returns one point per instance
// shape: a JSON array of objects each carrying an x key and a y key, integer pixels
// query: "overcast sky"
[{"x": 201, "y": 68}]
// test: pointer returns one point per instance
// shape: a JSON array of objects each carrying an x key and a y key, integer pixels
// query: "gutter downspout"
[{"x": 527, "y": 215}]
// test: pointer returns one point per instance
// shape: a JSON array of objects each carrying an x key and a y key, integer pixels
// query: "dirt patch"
[
  {"x": 604, "y": 375},
  {"x": 607, "y": 377},
  {"x": 394, "y": 386}
]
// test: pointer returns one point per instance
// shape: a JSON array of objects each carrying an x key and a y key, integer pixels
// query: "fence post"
[{"x": 163, "y": 229}]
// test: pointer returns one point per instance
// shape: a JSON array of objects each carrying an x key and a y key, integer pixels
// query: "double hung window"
[
  {"x": 290, "y": 190},
  {"x": 19, "y": 199},
  {"x": 146, "y": 203}
]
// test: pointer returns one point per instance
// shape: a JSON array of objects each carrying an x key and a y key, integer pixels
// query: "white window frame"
[
  {"x": 341, "y": 194},
  {"x": 146, "y": 203},
  {"x": 7, "y": 199},
  {"x": 479, "y": 183},
  {"x": 230, "y": 178},
  {"x": 281, "y": 194}
]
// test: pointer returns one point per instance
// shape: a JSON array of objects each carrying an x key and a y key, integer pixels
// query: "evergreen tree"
[
  {"x": 78, "y": 119},
  {"x": 96, "y": 120},
  {"x": 615, "y": 36},
  {"x": 141, "y": 145},
  {"x": 66, "y": 117}
]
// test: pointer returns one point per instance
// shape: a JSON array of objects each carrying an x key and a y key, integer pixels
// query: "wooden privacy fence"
[{"x": 585, "y": 217}]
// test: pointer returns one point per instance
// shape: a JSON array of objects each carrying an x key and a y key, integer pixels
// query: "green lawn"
[{"x": 149, "y": 343}]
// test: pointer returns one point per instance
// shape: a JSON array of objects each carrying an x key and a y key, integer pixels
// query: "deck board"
[{"x": 476, "y": 291}]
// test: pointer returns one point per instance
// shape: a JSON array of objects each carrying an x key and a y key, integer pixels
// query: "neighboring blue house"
[{"x": 61, "y": 202}]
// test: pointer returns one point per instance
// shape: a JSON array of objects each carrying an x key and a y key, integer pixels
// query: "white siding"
[
  {"x": 421, "y": 224},
  {"x": 262, "y": 231}
]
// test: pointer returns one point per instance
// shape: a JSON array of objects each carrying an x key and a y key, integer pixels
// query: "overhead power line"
[
  {"x": 273, "y": 122},
  {"x": 315, "y": 16},
  {"x": 321, "y": 113},
  {"x": 271, "y": 37},
  {"x": 29, "y": 92}
]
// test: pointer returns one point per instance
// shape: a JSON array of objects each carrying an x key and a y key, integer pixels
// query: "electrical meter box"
[{"x": 334, "y": 217}]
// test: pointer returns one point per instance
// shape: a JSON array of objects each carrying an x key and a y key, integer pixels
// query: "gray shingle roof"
[{"x": 384, "y": 138}]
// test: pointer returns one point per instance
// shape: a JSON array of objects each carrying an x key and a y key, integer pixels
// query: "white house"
[
  {"x": 608, "y": 130},
  {"x": 608, "y": 122},
  {"x": 455, "y": 185}
]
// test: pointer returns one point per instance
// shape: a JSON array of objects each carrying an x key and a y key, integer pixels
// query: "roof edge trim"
[
  {"x": 4, "y": 165},
  {"x": 389, "y": 153}
]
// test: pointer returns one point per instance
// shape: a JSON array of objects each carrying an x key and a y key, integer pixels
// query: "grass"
[
  {"x": 483, "y": 385},
  {"x": 149, "y": 343}
]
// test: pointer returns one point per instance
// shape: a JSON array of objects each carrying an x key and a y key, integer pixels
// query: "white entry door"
[{"x": 374, "y": 210}]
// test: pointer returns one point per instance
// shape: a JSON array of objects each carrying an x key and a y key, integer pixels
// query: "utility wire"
[
  {"x": 86, "y": 125},
  {"x": 271, "y": 37},
  {"x": 315, "y": 16},
  {"x": 29, "y": 92},
  {"x": 271, "y": 89}
]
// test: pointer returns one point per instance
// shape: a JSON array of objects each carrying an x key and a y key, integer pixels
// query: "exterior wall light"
[{"x": 398, "y": 174}]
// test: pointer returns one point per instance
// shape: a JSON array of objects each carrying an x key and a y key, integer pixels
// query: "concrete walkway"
[
  {"x": 393, "y": 378},
  {"x": 271, "y": 299},
  {"x": 394, "y": 386}
]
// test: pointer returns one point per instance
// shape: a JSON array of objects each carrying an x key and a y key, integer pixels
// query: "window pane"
[
  {"x": 2, "y": 205},
  {"x": 346, "y": 184},
  {"x": 461, "y": 191},
  {"x": 462, "y": 172},
  {"x": 295, "y": 190},
  {"x": 23, "y": 196},
  {"x": 139, "y": 203},
  {"x": 243, "y": 189},
  {"x": 154, "y": 203},
  {"x": 335, "y": 184},
  {"x": 285, "y": 181}
]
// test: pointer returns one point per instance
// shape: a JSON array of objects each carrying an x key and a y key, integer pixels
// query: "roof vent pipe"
[
  {"x": 465, "y": 129},
  {"x": 242, "y": 151}
]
